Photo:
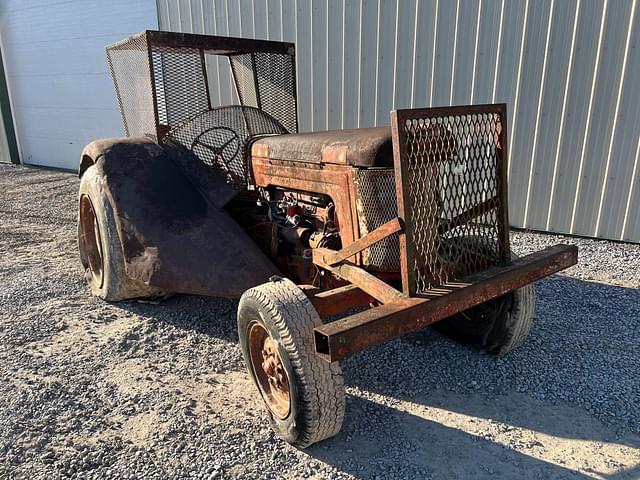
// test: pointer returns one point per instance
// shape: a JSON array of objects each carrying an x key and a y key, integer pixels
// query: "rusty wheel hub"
[
  {"x": 269, "y": 370},
  {"x": 91, "y": 241}
]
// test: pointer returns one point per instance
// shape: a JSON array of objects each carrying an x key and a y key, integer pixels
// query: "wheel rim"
[
  {"x": 272, "y": 378},
  {"x": 91, "y": 239}
]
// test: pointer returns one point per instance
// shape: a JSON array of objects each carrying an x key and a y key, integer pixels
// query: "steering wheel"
[{"x": 221, "y": 142}]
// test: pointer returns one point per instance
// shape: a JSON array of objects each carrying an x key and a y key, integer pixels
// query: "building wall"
[
  {"x": 568, "y": 70},
  {"x": 61, "y": 92}
]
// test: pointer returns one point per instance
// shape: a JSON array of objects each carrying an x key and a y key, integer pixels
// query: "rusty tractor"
[{"x": 214, "y": 192}]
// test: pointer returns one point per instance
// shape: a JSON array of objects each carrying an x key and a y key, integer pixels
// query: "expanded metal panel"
[
  {"x": 376, "y": 203},
  {"x": 180, "y": 80},
  {"x": 277, "y": 88},
  {"x": 451, "y": 166},
  {"x": 129, "y": 65},
  {"x": 162, "y": 82},
  {"x": 267, "y": 81},
  {"x": 242, "y": 67},
  {"x": 568, "y": 70}
]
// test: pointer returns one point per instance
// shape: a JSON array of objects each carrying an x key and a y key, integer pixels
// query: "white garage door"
[{"x": 57, "y": 72}]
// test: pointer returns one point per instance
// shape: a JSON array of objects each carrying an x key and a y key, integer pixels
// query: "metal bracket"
[{"x": 380, "y": 233}]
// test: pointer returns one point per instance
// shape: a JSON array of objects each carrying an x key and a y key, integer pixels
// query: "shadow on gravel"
[
  {"x": 443, "y": 407},
  {"x": 422, "y": 448},
  {"x": 215, "y": 317}
]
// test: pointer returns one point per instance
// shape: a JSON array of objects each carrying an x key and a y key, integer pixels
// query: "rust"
[
  {"x": 332, "y": 302},
  {"x": 339, "y": 339},
  {"x": 380, "y": 233},
  {"x": 468, "y": 215},
  {"x": 362, "y": 147},
  {"x": 332, "y": 180},
  {"x": 90, "y": 240},
  {"x": 273, "y": 381},
  {"x": 450, "y": 165},
  {"x": 367, "y": 282}
]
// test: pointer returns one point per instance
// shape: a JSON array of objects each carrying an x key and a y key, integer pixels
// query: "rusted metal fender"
[{"x": 174, "y": 232}]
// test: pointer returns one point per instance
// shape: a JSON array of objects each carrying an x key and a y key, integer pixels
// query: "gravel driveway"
[{"x": 137, "y": 390}]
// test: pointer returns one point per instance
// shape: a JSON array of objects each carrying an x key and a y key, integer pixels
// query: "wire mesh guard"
[
  {"x": 376, "y": 204},
  {"x": 163, "y": 85},
  {"x": 130, "y": 69},
  {"x": 451, "y": 193}
]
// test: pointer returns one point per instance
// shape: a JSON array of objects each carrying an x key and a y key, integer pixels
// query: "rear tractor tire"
[
  {"x": 304, "y": 395},
  {"x": 100, "y": 246}
]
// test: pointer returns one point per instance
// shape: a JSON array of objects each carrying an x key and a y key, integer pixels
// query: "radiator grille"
[
  {"x": 376, "y": 205},
  {"x": 452, "y": 190}
]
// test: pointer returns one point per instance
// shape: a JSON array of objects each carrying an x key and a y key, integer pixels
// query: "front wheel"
[
  {"x": 304, "y": 395},
  {"x": 497, "y": 326}
]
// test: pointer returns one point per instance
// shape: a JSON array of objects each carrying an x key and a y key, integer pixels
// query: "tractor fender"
[
  {"x": 94, "y": 150},
  {"x": 174, "y": 231}
]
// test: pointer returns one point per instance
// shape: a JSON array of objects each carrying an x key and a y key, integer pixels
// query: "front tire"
[
  {"x": 100, "y": 247},
  {"x": 304, "y": 395},
  {"x": 497, "y": 326}
]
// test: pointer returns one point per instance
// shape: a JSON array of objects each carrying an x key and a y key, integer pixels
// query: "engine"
[{"x": 299, "y": 222}]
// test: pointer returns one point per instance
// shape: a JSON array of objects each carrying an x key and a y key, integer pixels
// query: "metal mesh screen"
[
  {"x": 277, "y": 88},
  {"x": 243, "y": 76},
  {"x": 162, "y": 79},
  {"x": 267, "y": 81},
  {"x": 221, "y": 138},
  {"x": 181, "y": 84},
  {"x": 376, "y": 204},
  {"x": 129, "y": 64},
  {"x": 452, "y": 192}
]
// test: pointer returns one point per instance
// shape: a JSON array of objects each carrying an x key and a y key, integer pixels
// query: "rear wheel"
[
  {"x": 100, "y": 247},
  {"x": 304, "y": 395}
]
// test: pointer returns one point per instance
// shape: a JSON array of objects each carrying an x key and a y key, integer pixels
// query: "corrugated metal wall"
[{"x": 568, "y": 70}]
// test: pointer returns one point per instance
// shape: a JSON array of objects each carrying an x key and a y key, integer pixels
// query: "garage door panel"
[
  {"x": 76, "y": 19},
  {"x": 58, "y": 91},
  {"x": 61, "y": 57},
  {"x": 39, "y": 151},
  {"x": 79, "y": 126}
]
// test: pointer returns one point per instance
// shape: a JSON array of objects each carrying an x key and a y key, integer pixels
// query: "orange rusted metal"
[
  {"x": 342, "y": 338},
  {"x": 332, "y": 180},
  {"x": 366, "y": 241},
  {"x": 273, "y": 381},
  {"x": 338, "y": 300},
  {"x": 367, "y": 282}
]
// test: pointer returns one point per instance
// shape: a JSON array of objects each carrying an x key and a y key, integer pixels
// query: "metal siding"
[
  {"x": 542, "y": 160},
  {"x": 530, "y": 89},
  {"x": 568, "y": 70}
]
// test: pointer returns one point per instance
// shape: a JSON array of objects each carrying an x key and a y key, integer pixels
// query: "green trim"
[{"x": 5, "y": 108}]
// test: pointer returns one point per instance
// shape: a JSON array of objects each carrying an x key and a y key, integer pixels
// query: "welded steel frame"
[
  {"x": 205, "y": 44},
  {"x": 407, "y": 247}
]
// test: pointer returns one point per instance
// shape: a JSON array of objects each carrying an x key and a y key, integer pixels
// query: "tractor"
[{"x": 333, "y": 241}]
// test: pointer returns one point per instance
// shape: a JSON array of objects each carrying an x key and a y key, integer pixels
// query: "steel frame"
[
  {"x": 400, "y": 314},
  {"x": 399, "y": 311}
]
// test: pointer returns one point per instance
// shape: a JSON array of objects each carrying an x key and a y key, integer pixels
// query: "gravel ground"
[{"x": 137, "y": 390}]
